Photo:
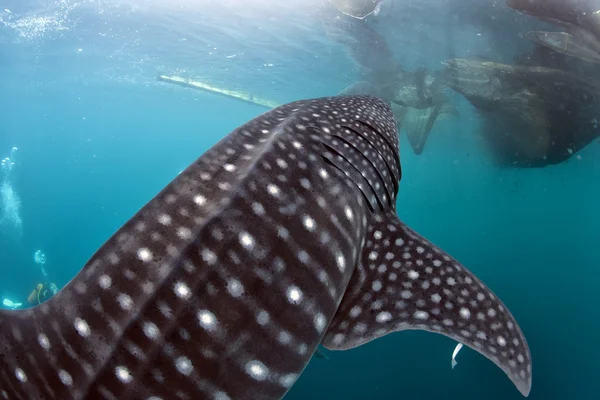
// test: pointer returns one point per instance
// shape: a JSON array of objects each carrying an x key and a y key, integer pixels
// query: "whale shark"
[{"x": 281, "y": 237}]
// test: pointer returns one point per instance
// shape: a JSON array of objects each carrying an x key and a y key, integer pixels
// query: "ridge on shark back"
[{"x": 281, "y": 237}]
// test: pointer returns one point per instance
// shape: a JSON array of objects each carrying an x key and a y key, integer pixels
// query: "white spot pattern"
[
  {"x": 257, "y": 370},
  {"x": 246, "y": 200},
  {"x": 429, "y": 291},
  {"x": 123, "y": 374},
  {"x": 81, "y": 327}
]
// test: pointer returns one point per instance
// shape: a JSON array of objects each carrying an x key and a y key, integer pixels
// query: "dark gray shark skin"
[{"x": 281, "y": 237}]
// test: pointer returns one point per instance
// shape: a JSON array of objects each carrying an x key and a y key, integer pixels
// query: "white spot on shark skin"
[
  {"x": 309, "y": 223},
  {"x": 294, "y": 295},
  {"x": 43, "y": 341},
  {"x": 184, "y": 233},
  {"x": 208, "y": 256},
  {"x": 182, "y": 290},
  {"x": 207, "y": 320},
  {"x": 82, "y": 327},
  {"x": 263, "y": 318},
  {"x": 284, "y": 337},
  {"x": 383, "y": 316},
  {"x": 80, "y": 288},
  {"x": 355, "y": 311},
  {"x": 125, "y": 301},
  {"x": 123, "y": 374},
  {"x": 305, "y": 183},
  {"x": 465, "y": 313},
  {"x": 349, "y": 213},
  {"x": 423, "y": 315},
  {"x": 184, "y": 365},
  {"x": 65, "y": 377},
  {"x": 341, "y": 262},
  {"x": 257, "y": 370},
  {"x": 151, "y": 330},
  {"x": 199, "y": 200},
  {"x": 235, "y": 288},
  {"x": 144, "y": 254},
  {"x": 281, "y": 163},
  {"x": 320, "y": 322},
  {"x": 288, "y": 380},
  {"x": 258, "y": 208},
  {"x": 164, "y": 219},
  {"x": 412, "y": 274},
  {"x": 219, "y": 396},
  {"x": 246, "y": 240},
  {"x": 273, "y": 190},
  {"x": 20, "y": 375}
]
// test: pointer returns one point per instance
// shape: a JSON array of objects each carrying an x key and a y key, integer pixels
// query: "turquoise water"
[{"x": 98, "y": 137}]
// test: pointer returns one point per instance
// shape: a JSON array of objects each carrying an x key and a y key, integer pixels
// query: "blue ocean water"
[{"x": 98, "y": 136}]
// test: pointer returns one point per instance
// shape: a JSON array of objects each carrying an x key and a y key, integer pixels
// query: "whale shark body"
[{"x": 282, "y": 237}]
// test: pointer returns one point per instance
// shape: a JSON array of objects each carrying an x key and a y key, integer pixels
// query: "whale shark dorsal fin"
[{"x": 403, "y": 281}]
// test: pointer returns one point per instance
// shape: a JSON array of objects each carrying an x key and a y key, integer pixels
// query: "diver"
[{"x": 42, "y": 292}]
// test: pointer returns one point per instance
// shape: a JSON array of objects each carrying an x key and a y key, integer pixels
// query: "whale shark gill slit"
[
  {"x": 359, "y": 185},
  {"x": 337, "y": 158},
  {"x": 389, "y": 196},
  {"x": 391, "y": 147},
  {"x": 362, "y": 140}
]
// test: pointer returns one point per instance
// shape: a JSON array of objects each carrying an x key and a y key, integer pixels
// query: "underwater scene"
[{"x": 299, "y": 199}]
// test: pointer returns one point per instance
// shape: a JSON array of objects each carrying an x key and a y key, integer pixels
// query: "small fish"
[
  {"x": 282, "y": 237},
  {"x": 455, "y": 353}
]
